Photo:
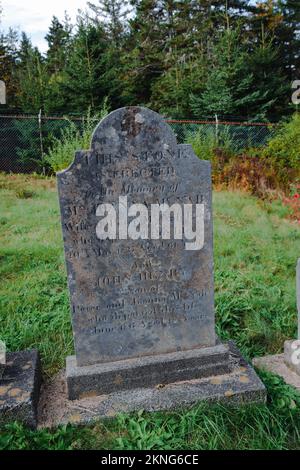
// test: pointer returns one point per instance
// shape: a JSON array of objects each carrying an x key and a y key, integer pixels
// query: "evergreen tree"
[
  {"x": 269, "y": 83},
  {"x": 183, "y": 58},
  {"x": 32, "y": 78},
  {"x": 24, "y": 49},
  {"x": 288, "y": 37},
  {"x": 143, "y": 57},
  {"x": 57, "y": 39},
  {"x": 228, "y": 85},
  {"x": 111, "y": 15},
  {"x": 82, "y": 87}
]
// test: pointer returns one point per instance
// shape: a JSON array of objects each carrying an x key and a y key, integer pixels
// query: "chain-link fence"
[{"x": 25, "y": 140}]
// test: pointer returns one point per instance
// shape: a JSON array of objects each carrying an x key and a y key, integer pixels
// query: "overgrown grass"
[
  {"x": 270, "y": 172},
  {"x": 206, "y": 143},
  {"x": 255, "y": 254},
  {"x": 61, "y": 153}
]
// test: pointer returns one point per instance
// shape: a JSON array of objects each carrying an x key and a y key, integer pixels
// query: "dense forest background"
[{"x": 184, "y": 59}]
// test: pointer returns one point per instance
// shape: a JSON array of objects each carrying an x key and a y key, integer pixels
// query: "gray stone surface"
[
  {"x": 133, "y": 298},
  {"x": 240, "y": 386},
  {"x": 146, "y": 371},
  {"x": 19, "y": 388},
  {"x": 276, "y": 364},
  {"x": 292, "y": 355}
]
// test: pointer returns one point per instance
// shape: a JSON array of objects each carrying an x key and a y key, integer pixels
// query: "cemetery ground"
[{"x": 255, "y": 248}]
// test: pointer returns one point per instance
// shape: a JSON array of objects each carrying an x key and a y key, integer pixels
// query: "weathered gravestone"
[{"x": 142, "y": 300}]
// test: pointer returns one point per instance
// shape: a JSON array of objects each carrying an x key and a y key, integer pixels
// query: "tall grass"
[
  {"x": 207, "y": 142},
  {"x": 61, "y": 153},
  {"x": 267, "y": 171}
]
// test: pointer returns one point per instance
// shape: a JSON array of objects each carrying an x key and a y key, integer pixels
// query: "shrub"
[
  {"x": 265, "y": 172},
  {"x": 284, "y": 148},
  {"x": 249, "y": 173},
  {"x": 209, "y": 144},
  {"x": 61, "y": 154}
]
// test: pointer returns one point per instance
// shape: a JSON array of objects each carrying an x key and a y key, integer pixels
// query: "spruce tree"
[
  {"x": 228, "y": 82},
  {"x": 57, "y": 39},
  {"x": 111, "y": 14},
  {"x": 82, "y": 87},
  {"x": 33, "y": 79}
]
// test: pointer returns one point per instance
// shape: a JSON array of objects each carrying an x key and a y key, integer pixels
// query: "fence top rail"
[
  {"x": 169, "y": 121},
  {"x": 227, "y": 123}
]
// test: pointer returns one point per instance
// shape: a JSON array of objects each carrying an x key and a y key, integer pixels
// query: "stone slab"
[
  {"x": 292, "y": 355},
  {"x": 146, "y": 371},
  {"x": 146, "y": 296},
  {"x": 19, "y": 388},
  {"x": 240, "y": 386},
  {"x": 276, "y": 364}
]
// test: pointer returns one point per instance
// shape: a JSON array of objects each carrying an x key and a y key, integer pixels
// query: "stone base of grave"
[
  {"x": 147, "y": 371},
  {"x": 292, "y": 348},
  {"x": 277, "y": 365},
  {"x": 19, "y": 388},
  {"x": 240, "y": 385}
]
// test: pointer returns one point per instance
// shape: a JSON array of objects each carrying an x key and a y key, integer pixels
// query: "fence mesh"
[{"x": 24, "y": 140}]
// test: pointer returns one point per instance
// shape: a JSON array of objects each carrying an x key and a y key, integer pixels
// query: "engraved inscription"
[{"x": 145, "y": 296}]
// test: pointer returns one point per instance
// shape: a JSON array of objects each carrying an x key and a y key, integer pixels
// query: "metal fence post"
[
  {"x": 217, "y": 129},
  {"x": 41, "y": 139}
]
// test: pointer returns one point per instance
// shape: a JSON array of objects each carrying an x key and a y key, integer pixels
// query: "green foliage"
[
  {"x": 141, "y": 434},
  {"x": 15, "y": 437},
  {"x": 58, "y": 39},
  {"x": 61, "y": 154},
  {"x": 82, "y": 81},
  {"x": 281, "y": 396},
  {"x": 33, "y": 79},
  {"x": 284, "y": 148},
  {"x": 208, "y": 140},
  {"x": 236, "y": 81},
  {"x": 228, "y": 81},
  {"x": 180, "y": 58},
  {"x": 212, "y": 427}
]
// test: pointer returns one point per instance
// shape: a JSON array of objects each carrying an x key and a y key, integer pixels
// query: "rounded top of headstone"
[{"x": 132, "y": 125}]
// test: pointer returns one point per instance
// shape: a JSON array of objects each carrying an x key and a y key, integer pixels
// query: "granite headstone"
[
  {"x": 136, "y": 212},
  {"x": 132, "y": 298}
]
